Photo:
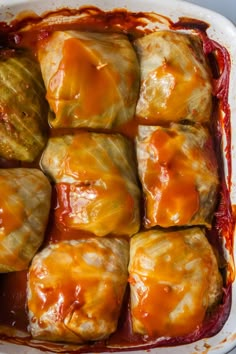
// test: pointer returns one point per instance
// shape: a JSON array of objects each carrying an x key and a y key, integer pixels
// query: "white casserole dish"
[{"x": 221, "y": 30}]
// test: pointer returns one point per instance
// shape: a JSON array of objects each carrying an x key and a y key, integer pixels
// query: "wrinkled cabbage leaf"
[
  {"x": 96, "y": 181},
  {"x": 92, "y": 79},
  {"x": 23, "y": 107},
  {"x": 179, "y": 175},
  {"x": 85, "y": 304},
  {"x": 174, "y": 279},
  {"x": 175, "y": 78},
  {"x": 25, "y": 196}
]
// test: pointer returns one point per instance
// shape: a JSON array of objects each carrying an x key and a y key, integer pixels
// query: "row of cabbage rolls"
[{"x": 127, "y": 194}]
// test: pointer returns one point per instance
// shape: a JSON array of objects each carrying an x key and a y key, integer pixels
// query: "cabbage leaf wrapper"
[
  {"x": 25, "y": 198},
  {"x": 92, "y": 79},
  {"x": 85, "y": 304},
  {"x": 176, "y": 82},
  {"x": 23, "y": 107},
  {"x": 179, "y": 175},
  {"x": 175, "y": 280},
  {"x": 96, "y": 182}
]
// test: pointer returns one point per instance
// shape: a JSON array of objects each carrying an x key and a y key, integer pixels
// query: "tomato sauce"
[{"x": 13, "y": 312}]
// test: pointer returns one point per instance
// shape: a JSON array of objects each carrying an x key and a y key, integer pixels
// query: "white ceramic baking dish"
[{"x": 221, "y": 30}]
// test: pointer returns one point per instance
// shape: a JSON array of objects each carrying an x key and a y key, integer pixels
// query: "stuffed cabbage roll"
[
  {"x": 179, "y": 176},
  {"x": 174, "y": 280},
  {"x": 85, "y": 304},
  {"x": 25, "y": 202},
  {"x": 23, "y": 107},
  {"x": 175, "y": 78},
  {"x": 96, "y": 182},
  {"x": 92, "y": 79}
]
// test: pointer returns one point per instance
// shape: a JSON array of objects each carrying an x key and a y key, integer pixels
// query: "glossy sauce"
[
  {"x": 13, "y": 313},
  {"x": 169, "y": 179},
  {"x": 89, "y": 168},
  {"x": 86, "y": 213},
  {"x": 84, "y": 65},
  {"x": 65, "y": 302},
  {"x": 13, "y": 309}
]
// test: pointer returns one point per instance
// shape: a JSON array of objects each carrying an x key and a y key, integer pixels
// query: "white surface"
[
  {"x": 222, "y": 31},
  {"x": 224, "y": 7}
]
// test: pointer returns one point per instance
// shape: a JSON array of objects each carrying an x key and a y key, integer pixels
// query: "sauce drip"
[
  {"x": 82, "y": 66},
  {"x": 169, "y": 182}
]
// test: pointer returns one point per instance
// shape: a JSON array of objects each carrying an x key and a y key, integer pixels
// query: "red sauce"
[
  {"x": 68, "y": 201},
  {"x": 13, "y": 300},
  {"x": 13, "y": 285}
]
